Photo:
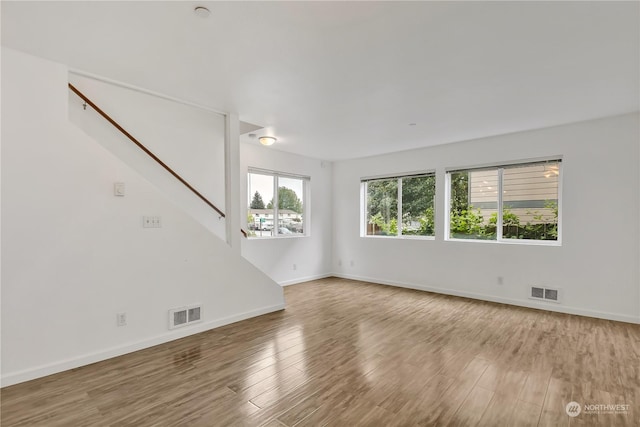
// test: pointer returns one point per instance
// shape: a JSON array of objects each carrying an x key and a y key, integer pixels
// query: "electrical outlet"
[
  {"x": 121, "y": 319},
  {"x": 352, "y": 263},
  {"x": 339, "y": 263},
  {"x": 295, "y": 267},
  {"x": 500, "y": 280}
]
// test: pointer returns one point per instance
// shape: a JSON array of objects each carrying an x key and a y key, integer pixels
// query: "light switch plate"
[
  {"x": 152, "y": 222},
  {"x": 118, "y": 189}
]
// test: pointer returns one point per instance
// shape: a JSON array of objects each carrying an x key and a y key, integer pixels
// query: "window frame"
[
  {"x": 500, "y": 202},
  {"x": 306, "y": 205},
  {"x": 364, "y": 206}
]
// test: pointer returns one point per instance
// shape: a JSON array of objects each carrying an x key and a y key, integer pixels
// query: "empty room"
[{"x": 310, "y": 213}]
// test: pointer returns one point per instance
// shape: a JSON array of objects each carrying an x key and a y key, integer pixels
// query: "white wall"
[
  {"x": 311, "y": 254},
  {"x": 189, "y": 140},
  {"x": 74, "y": 255},
  {"x": 597, "y": 264}
]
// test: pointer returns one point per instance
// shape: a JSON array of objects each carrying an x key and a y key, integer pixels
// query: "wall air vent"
[
  {"x": 544, "y": 294},
  {"x": 194, "y": 314},
  {"x": 537, "y": 292},
  {"x": 551, "y": 294},
  {"x": 183, "y": 316},
  {"x": 179, "y": 318}
]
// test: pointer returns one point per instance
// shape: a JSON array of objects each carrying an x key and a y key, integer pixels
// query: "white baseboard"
[
  {"x": 305, "y": 279},
  {"x": 492, "y": 298},
  {"x": 64, "y": 365}
]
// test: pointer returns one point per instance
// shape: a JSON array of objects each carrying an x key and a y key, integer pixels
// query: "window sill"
[
  {"x": 400, "y": 237},
  {"x": 511, "y": 242},
  {"x": 277, "y": 237}
]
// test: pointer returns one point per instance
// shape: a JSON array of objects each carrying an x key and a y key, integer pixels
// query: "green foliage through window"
[
  {"x": 287, "y": 219},
  {"x": 528, "y": 200},
  {"x": 257, "y": 202},
  {"x": 416, "y": 202},
  {"x": 287, "y": 199}
]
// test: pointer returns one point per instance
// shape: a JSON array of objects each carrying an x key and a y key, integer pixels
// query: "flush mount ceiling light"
[
  {"x": 267, "y": 140},
  {"x": 202, "y": 11}
]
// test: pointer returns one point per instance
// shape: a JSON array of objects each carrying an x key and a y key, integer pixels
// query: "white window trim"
[
  {"x": 499, "y": 239},
  {"x": 306, "y": 203},
  {"x": 505, "y": 164},
  {"x": 363, "y": 205}
]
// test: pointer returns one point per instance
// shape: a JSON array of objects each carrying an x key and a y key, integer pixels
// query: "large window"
[
  {"x": 399, "y": 206},
  {"x": 514, "y": 202},
  {"x": 276, "y": 204}
]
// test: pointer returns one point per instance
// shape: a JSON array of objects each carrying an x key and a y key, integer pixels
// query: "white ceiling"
[{"x": 336, "y": 80}]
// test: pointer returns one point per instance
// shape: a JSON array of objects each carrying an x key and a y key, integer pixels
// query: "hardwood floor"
[{"x": 348, "y": 353}]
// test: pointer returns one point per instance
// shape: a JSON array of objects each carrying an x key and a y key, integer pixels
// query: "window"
[
  {"x": 399, "y": 206},
  {"x": 276, "y": 204},
  {"x": 514, "y": 202}
]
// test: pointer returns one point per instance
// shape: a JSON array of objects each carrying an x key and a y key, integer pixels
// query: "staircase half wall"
[{"x": 74, "y": 254}]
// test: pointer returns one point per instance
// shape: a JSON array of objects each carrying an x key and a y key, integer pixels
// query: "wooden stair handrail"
[
  {"x": 147, "y": 151},
  {"x": 143, "y": 148}
]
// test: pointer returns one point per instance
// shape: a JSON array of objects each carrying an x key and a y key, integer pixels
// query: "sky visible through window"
[{"x": 263, "y": 184}]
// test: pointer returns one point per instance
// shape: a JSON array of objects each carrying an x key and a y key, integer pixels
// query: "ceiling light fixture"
[
  {"x": 202, "y": 11},
  {"x": 267, "y": 140}
]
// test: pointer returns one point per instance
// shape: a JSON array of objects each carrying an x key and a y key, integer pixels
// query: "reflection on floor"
[{"x": 350, "y": 353}]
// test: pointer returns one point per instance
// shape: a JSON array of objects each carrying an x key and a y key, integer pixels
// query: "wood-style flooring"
[{"x": 347, "y": 353}]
